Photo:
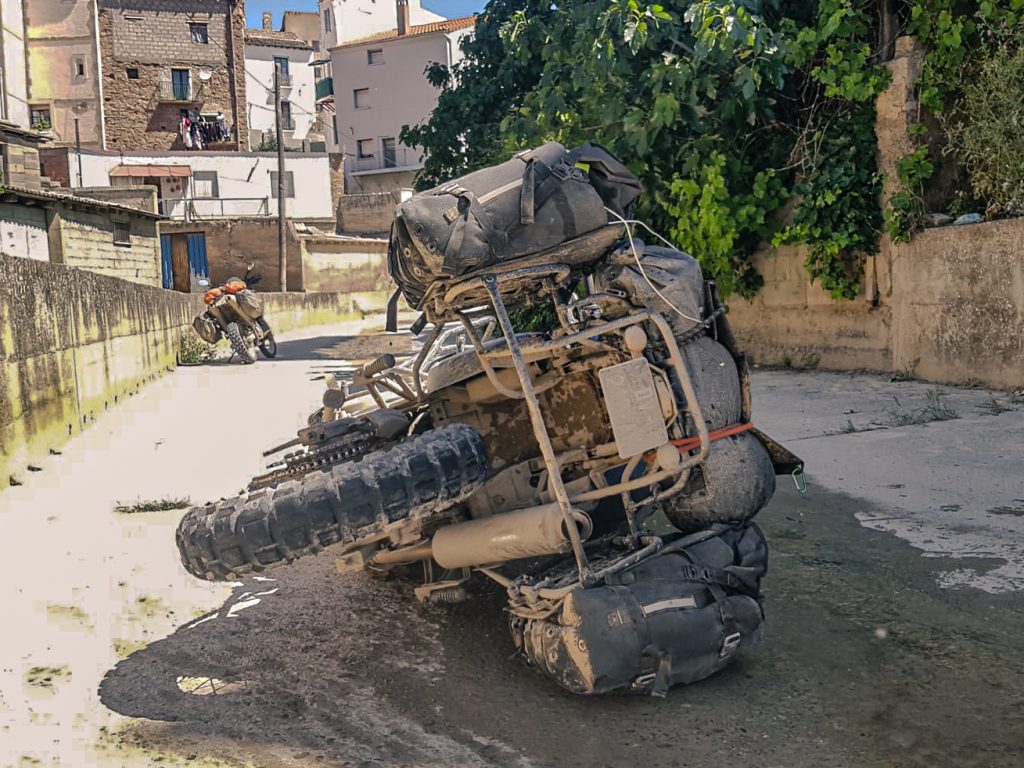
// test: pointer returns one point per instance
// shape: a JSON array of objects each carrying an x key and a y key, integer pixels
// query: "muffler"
[{"x": 514, "y": 535}]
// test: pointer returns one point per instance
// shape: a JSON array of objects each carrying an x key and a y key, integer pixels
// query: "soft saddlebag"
[
  {"x": 250, "y": 302},
  {"x": 206, "y": 328},
  {"x": 537, "y": 200},
  {"x": 675, "y": 618}
]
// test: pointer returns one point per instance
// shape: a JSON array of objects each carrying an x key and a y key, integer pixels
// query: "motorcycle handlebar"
[{"x": 379, "y": 365}]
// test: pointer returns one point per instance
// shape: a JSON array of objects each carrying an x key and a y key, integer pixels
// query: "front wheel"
[
  {"x": 420, "y": 476},
  {"x": 234, "y": 335}
]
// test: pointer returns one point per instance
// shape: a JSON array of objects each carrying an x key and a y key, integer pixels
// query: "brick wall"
[
  {"x": 142, "y": 197},
  {"x": 87, "y": 242},
  {"x": 152, "y": 37}
]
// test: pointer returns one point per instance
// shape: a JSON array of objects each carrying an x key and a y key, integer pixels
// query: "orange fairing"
[
  {"x": 212, "y": 295},
  {"x": 235, "y": 286}
]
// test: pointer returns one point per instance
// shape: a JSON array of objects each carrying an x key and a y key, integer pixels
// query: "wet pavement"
[{"x": 895, "y": 631}]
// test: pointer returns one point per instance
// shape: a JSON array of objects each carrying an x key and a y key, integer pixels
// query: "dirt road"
[{"x": 894, "y": 637}]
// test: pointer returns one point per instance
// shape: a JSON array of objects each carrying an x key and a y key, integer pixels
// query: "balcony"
[
  {"x": 397, "y": 159},
  {"x": 180, "y": 93},
  {"x": 199, "y": 208},
  {"x": 285, "y": 79},
  {"x": 324, "y": 88},
  {"x": 288, "y": 124}
]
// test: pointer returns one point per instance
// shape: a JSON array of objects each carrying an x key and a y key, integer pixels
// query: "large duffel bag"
[
  {"x": 537, "y": 200},
  {"x": 250, "y": 302},
  {"x": 675, "y": 618}
]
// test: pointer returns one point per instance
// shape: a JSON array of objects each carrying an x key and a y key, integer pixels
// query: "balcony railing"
[
  {"x": 285, "y": 79},
  {"x": 401, "y": 157},
  {"x": 324, "y": 88},
  {"x": 287, "y": 123},
  {"x": 199, "y": 208},
  {"x": 190, "y": 92}
]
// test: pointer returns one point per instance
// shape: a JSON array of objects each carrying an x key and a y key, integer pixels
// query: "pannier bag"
[
  {"x": 675, "y": 618},
  {"x": 235, "y": 286},
  {"x": 537, "y": 200},
  {"x": 206, "y": 328},
  {"x": 250, "y": 302}
]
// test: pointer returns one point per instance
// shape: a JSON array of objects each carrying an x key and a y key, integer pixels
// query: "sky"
[{"x": 254, "y": 8}]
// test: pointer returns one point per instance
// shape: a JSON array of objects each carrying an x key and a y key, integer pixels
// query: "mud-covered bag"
[
  {"x": 250, "y": 302},
  {"x": 206, "y": 328},
  {"x": 675, "y": 618},
  {"x": 537, "y": 200}
]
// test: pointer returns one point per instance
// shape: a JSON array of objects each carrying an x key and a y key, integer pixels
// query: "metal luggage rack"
[{"x": 447, "y": 301}]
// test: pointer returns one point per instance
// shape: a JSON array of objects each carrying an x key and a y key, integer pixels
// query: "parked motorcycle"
[
  {"x": 539, "y": 460},
  {"x": 234, "y": 311}
]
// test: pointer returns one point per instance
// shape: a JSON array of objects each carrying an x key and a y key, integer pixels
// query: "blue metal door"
[
  {"x": 198, "y": 265},
  {"x": 166, "y": 265}
]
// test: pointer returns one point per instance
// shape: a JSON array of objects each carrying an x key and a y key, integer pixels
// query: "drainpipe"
[{"x": 99, "y": 76}]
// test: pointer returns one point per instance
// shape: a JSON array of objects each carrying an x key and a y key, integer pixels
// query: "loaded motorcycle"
[
  {"x": 234, "y": 311},
  {"x": 548, "y": 462}
]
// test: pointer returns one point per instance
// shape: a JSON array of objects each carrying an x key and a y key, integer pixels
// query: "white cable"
[{"x": 636, "y": 257}]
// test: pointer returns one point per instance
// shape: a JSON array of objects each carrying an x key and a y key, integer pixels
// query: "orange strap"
[{"x": 687, "y": 444}]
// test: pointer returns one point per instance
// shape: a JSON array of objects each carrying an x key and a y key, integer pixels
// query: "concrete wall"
[
  {"x": 367, "y": 213},
  {"x": 947, "y": 307},
  {"x": 335, "y": 264},
  {"x": 259, "y": 88},
  {"x": 73, "y": 343}
]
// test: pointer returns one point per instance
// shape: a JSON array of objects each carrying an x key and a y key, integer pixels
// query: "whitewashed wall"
[
  {"x": 259, "y": 89},
  {"x": 23, "y": 232},
  {"x": 243, "y": 179}
]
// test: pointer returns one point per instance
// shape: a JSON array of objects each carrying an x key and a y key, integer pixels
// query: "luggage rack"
[{"x": 540, "y": 278}]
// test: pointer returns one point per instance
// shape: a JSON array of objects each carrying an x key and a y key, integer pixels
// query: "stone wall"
[
  {"x": 345, "y": 264},
  {"x": 142, "y": 197},
  {"x": 151, "y": 37},
  {"x": 76, "y": 342},
  {"x": 365, "y": 214}
]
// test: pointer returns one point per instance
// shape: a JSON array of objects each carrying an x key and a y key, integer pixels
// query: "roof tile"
[{"x": 448, "y": 25}]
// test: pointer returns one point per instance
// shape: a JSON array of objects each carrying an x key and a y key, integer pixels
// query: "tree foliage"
[{"x": 724, "y": 108}]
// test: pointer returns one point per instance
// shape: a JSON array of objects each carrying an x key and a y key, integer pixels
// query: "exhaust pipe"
[
  {"x": 531, "y": 532},
  {"x": 509, "y": 536}
]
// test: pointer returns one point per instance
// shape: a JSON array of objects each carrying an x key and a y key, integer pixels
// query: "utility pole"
[{"x": 282, "y": 238}]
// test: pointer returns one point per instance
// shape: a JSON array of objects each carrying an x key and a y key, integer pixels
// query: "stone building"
[{"x": 168, "y": 61}]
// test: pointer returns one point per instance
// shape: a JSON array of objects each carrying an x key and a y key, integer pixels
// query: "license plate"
[{"x": 632, "y": 402}]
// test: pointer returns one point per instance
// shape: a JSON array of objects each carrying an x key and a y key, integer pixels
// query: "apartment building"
[
  {"x": 173, "y": 74},
  {"x": 342, "y": 21},
  {"x": 379, "y": 87},
  {"x": 267, "y": 50}
]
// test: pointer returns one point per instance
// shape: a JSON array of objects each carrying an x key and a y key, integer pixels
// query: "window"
[
  {"x": 327, "y": 20},
  {"x": 375, "y": 56},
  {"x": 181, "y": 84},
  {"x": 289, "y": 184},
  {"x": 316, "y": 46},
  {"x": 334, "y": 126},
  {"x": 204, "y": 184},
  {"x": 39, "y": 117},
  {"x": 78, "y": 67},
  {"x": 361, "y": 98},
  {"x": 387, "y": 148},
  {"x": 132, "y": 73},
  {"x": 286, "y": 116},
  {"x": 364, "y": 148},
  {"x": 122, "y": 233},
  {"x": 200, "y": 33},
  {"x": 281, "y": 63}
]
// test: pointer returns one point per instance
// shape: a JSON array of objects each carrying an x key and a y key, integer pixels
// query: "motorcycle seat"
[{"x": 461, "y": 366}]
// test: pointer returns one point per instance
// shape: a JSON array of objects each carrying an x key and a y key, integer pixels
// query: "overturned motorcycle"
[{"x": 539, "y": 459}]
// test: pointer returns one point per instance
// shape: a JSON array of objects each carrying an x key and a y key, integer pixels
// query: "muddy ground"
[
  {"x": 866, "y": 662},
  {"x": 895, "y": 632}
]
